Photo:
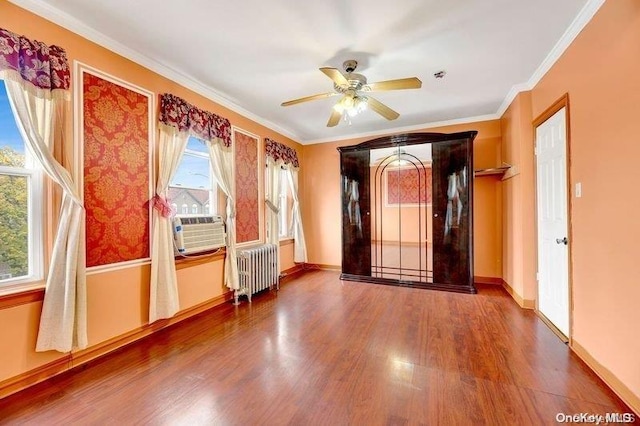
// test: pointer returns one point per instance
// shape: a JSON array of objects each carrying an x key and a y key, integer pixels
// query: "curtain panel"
[
  {"x": 163, "y": 294},
  {"x": 222, "y": 165},
  {"x": 37, "y": 78},
  {"x": 280, "y": 156},
  {"x": 273, "y": 211},
  {"x": 299, "y": 242}
]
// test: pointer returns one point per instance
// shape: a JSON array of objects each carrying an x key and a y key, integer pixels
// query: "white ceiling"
[{"x": 251, "y": 55}]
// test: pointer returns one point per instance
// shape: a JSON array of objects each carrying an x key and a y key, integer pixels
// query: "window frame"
[
  {"x": 213, "y": 190},
  {"x": 35, "y": 221}
]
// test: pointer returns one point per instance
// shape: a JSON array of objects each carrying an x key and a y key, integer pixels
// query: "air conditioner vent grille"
[{"x": 198, "y": 233}]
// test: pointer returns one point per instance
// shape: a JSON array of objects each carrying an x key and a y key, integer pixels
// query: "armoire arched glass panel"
[{"x": 407, "y": 216}]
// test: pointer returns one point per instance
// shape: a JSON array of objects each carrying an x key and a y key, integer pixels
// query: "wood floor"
[{"x": 326, "y": 352}]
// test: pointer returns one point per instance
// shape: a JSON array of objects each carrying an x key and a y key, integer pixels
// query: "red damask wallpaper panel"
[
  {"x": 116, "y": 171},
  {"x": 247, "y": 187},
  {"x": 407, "y": 186}
]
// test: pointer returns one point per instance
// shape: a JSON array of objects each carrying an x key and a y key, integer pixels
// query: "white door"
[{"x": 553, "y": 230}]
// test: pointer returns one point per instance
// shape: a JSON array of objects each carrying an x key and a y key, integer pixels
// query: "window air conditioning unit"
[{"x": 198, "y": 233}]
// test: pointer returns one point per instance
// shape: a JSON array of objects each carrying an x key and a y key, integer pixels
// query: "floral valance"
[
  {"x": 281, "y": 153},
  {"x": 178, "y": 113},
  {"x": 45, "y": 67}
]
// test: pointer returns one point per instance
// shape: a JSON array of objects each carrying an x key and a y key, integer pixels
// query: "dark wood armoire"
[{"x": 407, "y": 211}]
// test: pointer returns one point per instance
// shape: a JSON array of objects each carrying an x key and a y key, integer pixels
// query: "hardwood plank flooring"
[{"x": 326, "y": 352}]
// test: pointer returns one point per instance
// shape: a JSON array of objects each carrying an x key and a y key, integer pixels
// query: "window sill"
[
  {"x": 200, "y": 258},
  {"x": 286, "y": 241},
  {"x": 21, "y": 295}
]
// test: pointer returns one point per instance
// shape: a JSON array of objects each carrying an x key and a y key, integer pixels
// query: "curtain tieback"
[
  {"x": 162, "y": 206},
  {"x": 272, "y": 206}
]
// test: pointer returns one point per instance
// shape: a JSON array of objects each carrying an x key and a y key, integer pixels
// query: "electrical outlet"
[{"x": 579, "y": 190}]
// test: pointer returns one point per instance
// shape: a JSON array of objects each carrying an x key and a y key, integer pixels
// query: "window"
[
  {"x": 285, "y": 205},
  {"x": 193, "y": 184},
  {"x": 21, "y": 199}
]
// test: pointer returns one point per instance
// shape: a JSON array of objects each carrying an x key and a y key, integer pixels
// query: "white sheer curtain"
[
  {"x": 163, "y": 302},
  {"x": 222, "y": 165},
  {"x": 63, "y": 321},
  {"x": 299, "y": 243},
  {"x": 272, "y": 202}
]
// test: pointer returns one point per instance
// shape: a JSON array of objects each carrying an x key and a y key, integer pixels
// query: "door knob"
[
  {"x": 562, "y": 241},
  {"x": 435, "y": 215}
]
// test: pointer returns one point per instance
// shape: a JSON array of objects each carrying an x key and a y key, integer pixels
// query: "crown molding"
[
  {"x": 74, "y": 25},
  {"x": 581, "y": 20},
  {"x": 578, "y": 24},
  {"x": 424, "y": 126},
  {"x": 511, "y": 95}
]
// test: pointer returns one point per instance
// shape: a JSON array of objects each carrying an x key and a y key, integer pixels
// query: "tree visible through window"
[
  {"x": 20, "y": 200},
  {"x": 14, "y": 216}
]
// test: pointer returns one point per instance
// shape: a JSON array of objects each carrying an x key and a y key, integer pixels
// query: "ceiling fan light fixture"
[
  {"x": 360, "y": 104},
  {"x": 352, "y": 112},
  {"x": 352, "y": 105},
  {"x": 353, "y": 87}
]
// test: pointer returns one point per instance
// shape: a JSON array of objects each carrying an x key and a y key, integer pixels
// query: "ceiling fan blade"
[
  {"x": 309, "y": 98},
  {"x": 399, "y": 84},
  {"x": 334, "y": 119},
  {"x": 382, "y": 109},
  {"x": 335, "y": 75}
]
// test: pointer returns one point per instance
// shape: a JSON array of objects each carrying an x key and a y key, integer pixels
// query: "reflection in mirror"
[
  {"x": 352, "y": 195},
  {"x": 456, "y": 183},
  {"x": 401, "y": 209}
]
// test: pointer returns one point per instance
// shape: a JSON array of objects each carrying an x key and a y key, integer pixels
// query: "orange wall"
[
  {"x": 286, "y": 256},
  {"x": 18, "y": 336},
  {"x": 601, "y": 73},
  {"x": 117, "y": 300},
  {"x": 518, "y": 210},
  {"x": 321, "y": 199}
]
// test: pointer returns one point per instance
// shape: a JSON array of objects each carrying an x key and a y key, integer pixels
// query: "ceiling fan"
[{"x": 354, "y": 90}]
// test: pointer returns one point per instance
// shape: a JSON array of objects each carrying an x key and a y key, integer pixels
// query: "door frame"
[{"x": 562, "y": 102}]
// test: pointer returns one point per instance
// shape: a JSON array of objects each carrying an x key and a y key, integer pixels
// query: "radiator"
[{"x": 257, "y": 270}]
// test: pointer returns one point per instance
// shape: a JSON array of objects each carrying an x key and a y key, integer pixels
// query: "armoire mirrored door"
[
  {"x": 401, "y": 213},
  {"x": 356, "y": 214},
  {"x": 453, "y": 208},
  {"x": 407, "y": 211}
]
